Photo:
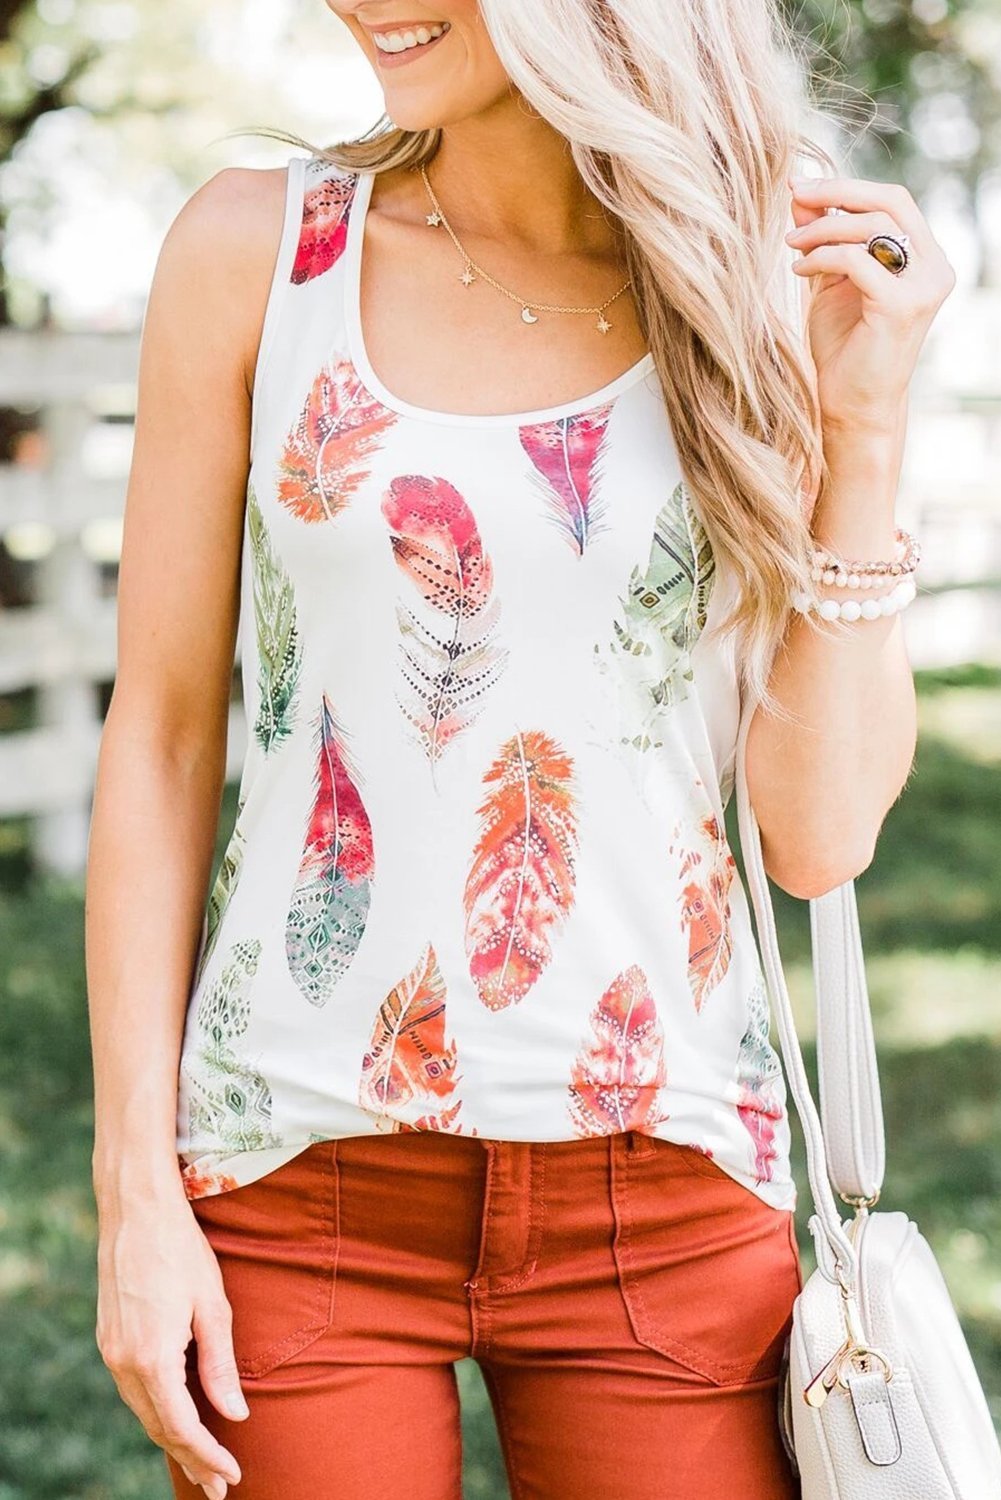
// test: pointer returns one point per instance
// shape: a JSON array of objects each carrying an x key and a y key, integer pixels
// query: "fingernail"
[{"x": 236, "y": 1406}]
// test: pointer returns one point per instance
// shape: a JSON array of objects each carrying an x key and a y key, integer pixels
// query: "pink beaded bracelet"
[{"x": 827, "y": 567}]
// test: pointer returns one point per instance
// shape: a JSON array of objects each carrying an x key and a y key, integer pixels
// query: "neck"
[{"x": 507, "y": 173}]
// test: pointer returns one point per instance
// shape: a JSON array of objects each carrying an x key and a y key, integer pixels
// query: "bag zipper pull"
[{"x": 820, "y": 1387}]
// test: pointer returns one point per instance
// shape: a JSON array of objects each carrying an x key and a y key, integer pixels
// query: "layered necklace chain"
[{"x": 471, "y": 271}]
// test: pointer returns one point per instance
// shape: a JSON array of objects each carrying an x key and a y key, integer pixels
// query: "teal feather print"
[
  {"x": 759, "y": 1083},
  {"x": 222, "y": 891},
  {"x": 328, "y": 911},
  {"x": 279, "y": 649},
  {"x": 230, "y": 1100},
  {"x": 663, "y": 615}
]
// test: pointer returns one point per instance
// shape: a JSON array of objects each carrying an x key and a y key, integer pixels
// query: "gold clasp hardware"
[
  {"x": 832, "y": 1374},
  {"x": 854, "y": 1350},
  {"x": 816, "y": 1393},
  {"x": 863, "y": 1359},
  {"x": 860, "y": 1204}
]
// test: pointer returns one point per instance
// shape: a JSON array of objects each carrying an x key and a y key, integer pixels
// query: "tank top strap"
[
  {"x": 318, "y": 198},
  {"x": 326, "y": 192}
]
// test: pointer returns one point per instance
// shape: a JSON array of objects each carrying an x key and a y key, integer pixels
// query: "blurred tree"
[
  {"x": 143, "y": 88},
  {"x": 931, "y": 70}
]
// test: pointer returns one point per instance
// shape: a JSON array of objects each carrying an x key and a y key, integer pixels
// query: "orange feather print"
[
  {"x": 445, "y": 1120},
  {"x": 521, "y": 883},
  {"x": 408, "y": 1060},
  {"x": 619, "y": 1071},
  {"x": 707, "y": 869},
  {"x": 337, "y": 431},
  {"x": 200, "y": 1184}
]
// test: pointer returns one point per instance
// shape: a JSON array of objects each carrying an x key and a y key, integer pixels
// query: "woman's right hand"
[{"x": 159, "y": 1285}]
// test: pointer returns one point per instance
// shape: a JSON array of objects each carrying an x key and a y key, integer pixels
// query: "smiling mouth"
[{"x": 412, "y": 39}]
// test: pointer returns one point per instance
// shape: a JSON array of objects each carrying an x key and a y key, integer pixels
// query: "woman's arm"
[
  {"x": 157, "y": 796},
  {"x": 821, "y": 786}
]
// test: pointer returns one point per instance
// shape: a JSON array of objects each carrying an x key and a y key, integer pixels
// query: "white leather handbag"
[{"x": 879, "y": 1396}]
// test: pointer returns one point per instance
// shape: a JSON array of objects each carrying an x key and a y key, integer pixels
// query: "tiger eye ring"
[{"x": 890, "y": 250}]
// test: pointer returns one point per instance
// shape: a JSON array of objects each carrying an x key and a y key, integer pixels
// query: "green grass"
[{"x": 931, "y": 917}]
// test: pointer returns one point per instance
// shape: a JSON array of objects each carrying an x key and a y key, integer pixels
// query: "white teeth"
[{"x": 402, "y": 41}]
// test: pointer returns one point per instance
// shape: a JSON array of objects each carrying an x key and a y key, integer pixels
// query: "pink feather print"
[
  {"x": 325, "y": 455},
  {"x": 707, "y": 869},
  {"x": 448, "y": 657},
  {"x": 759, "y": 1077},
  {"x": 619, "y": 1071},
  {"x": 522, "y": 881},
  {"x": 329, "y": 906},
  {"x": 326, "y": 208},
  {"x": 567, "y": 454}
]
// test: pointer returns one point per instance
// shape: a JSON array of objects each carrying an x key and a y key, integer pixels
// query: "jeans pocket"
[
  {"x": 707, "y": 1270},
  {"x": 276, "y": 1240}
]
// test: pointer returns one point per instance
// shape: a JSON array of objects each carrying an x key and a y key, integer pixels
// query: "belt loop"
[{"x": 639, "y": 1143}]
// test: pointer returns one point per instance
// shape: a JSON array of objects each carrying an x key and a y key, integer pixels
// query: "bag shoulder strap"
[
  {"x": 846, "y": 1053},
  {"x": 850, "y": 1104}
]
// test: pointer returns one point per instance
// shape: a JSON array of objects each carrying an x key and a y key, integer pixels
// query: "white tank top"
[{"x": 479, "y": 880}]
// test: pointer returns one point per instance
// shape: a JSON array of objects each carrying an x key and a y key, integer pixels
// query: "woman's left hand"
[{"x": 865, "y": 324}]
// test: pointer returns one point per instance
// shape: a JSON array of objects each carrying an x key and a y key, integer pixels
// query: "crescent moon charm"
[{"x": 528, "y": 316}]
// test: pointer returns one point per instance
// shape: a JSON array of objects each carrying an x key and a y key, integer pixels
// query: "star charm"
[
  {"x": 603, "y": 324},
  {"x": 434, "y": 219},
  {"x": 467, "y": 278}
]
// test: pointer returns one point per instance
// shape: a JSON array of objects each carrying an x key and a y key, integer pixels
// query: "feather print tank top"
[{"x": 479, "y": 880}]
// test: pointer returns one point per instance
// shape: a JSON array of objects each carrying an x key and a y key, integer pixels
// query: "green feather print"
[
  {"x": 279, "y": 649},
  {"x": 663, "y": 614},
  {"x": 230, "y": 1100},
  {"x": 222, "y": 890}
]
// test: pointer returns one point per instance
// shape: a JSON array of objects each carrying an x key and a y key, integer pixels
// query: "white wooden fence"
[
  {"x": 66, "y": 511},
  {"x": 63, "y": 644}
]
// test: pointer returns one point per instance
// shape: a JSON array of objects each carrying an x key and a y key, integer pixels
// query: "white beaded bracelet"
[{"x": 851, "y": 609}]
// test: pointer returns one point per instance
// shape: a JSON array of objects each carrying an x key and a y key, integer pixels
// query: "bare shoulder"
[
  {"x": 238, "y": 209},
  {"x": 217, "y": 259}
]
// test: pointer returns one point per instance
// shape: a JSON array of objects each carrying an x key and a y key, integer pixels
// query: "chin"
[
  {"x": 413, "y": 115},
  {"x": 430, "y": 109}
]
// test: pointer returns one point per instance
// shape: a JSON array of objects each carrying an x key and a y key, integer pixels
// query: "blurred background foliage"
[{"x": 111, "y": 112}]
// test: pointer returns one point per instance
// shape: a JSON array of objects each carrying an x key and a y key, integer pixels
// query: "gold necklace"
[{"x": 470, "y": 271}]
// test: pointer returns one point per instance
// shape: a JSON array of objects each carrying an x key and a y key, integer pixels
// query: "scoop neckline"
[{"x": 358, "y": 352}]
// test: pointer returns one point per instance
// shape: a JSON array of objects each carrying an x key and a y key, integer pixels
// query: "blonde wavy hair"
[{"x": 684, "y": 121}]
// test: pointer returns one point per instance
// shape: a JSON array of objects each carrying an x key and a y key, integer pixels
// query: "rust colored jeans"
[{"x": 626, "y": 1300}]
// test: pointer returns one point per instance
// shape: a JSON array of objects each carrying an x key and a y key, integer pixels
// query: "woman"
[{"x": 498, "y": 425}]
